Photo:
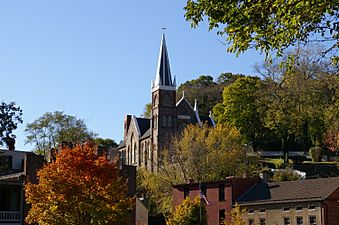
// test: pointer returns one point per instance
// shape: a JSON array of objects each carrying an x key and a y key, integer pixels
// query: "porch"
[{"x": 11, "y": 203}]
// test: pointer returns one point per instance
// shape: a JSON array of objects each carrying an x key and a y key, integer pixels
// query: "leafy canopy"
[
  {"x": 268, "y": 25},
  {"x": 80, "y": 187},
  {"x": 239, "y": 108},
  {"x": 52, "y": 129},
  {"x": 10, "y": 117}
]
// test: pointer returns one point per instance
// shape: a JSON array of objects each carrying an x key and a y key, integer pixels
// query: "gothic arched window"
[
  {"x": 170, "y": 121},
  {"x": 135, "y": 153},
  {"x": 164, "y": 120},
  {"x": 167, "y": 101}
]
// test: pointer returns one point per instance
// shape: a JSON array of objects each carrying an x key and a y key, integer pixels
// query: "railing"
[{"x": 10, "y": 216}]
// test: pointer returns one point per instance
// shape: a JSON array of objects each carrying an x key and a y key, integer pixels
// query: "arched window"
[
  {"x": 139, "y": 156},
  {"x": 145, "y": 155},
  {"x": 164, "y": 120},
  {"x": 170, "y": 121},
  {"x": 128, "y": 155},
  {"x": 135, "y": 153},
  {"x": 167, "y": 101}
]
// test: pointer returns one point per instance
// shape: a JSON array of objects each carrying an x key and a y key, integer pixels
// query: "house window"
[
  {"x": 250, "y": 221},
  {"x": 311, "y": 207},
  {"x": 313, "y": 220},
  {"x": 286, "y": 209},
  {"x": 300, "y": 220},
  {"x": 186, "y": 192},
  {"x": 221, "y": 192},
  {"x": 262, "y": 221},
  {"x": 250, "y": 210},
  {"x": 222, "y": 216},
  {"x": 299, "y": 208},
  {"x": 262, "y": 210},
  {"x": 287, "y": 221}
]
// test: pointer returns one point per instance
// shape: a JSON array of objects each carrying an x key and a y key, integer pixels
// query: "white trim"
[
  {"x": 182, "y": 99},
  {"x": 163, "y": 87},
  {"x": 196, "y": 111},
  {"x": 13, "y": 175},
  {"x": 184, "y": 117}
]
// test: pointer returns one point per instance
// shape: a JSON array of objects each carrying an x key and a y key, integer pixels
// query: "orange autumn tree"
[{"x": 80, "y": 187}]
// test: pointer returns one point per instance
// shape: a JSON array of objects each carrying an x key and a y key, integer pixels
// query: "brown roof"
[{"x": 290, "y": 191}]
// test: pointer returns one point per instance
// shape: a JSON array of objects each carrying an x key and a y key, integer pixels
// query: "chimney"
[
  {"x": 10, "y": 142},
  {"x": 126, "y": 124}
]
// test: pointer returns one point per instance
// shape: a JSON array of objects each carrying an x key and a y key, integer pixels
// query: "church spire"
[{"x": 163, "y": 77}]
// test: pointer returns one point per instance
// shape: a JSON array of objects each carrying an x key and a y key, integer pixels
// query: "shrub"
[{"x": 315, "y": 153}]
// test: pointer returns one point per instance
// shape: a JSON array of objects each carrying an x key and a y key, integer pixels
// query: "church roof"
[
  {"x": 163, "y": 77},
  {"x": 143, "y": 124}
]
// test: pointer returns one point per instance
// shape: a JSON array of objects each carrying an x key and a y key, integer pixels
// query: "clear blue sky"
[{"x": 96, "y": 59}]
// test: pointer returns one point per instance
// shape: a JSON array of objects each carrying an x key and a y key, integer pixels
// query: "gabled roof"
[
  {"x": 147, "y": 134},
  {"x": 144, "y": 125},
  {"x": 163, "y": 77},
  {"x": 183, "y": 99},
  {"x": 290, "y": 191}
]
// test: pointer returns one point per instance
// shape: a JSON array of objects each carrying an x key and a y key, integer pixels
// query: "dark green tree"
[
  {"x": 10, "y": 117},
  {"x": 206, "y": 91}
]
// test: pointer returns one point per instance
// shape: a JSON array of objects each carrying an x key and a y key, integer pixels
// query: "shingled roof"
[
  {"x": 290, "y": 191},
  {"x": 144, "y": 125}
]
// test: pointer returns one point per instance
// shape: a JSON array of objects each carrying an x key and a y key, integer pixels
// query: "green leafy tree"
[
  {"x": 295, "y": 100},
  {"x": 53, "y": 129},
  {"x": 105, "y": 143},
  {"x": 189, "y": 213},
  {"x": 202, "y": 154},
  {"x": 228, "y": 78},
  {"x": 272, "y": 25},
  {"x": 10, "y": 117},
  {"x": 240, "y": 109},
  {"x": 79, "y": 187},
  {"x": 206, "y": 91},
  {"x": 147, "y": 110},
  {"x": 285, "y": 175},
  {"x": 157, "y": 187},
  {"x": 316, "y": 153}
]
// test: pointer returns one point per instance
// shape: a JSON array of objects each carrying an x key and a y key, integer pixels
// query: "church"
[{"x": 144, "y": 138}]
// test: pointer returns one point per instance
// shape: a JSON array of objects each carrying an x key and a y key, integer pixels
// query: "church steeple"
[{"x": 163, "y": 77}]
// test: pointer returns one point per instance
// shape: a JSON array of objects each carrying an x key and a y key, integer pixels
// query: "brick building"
[
  {"x": 221, "y": 195},
  {"x": 311, "y": 202},
  {"x": 144, "y": 138},
  {"x": 16, "y": 167}
]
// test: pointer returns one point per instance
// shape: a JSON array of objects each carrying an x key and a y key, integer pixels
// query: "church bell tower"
[{"x": 163, "y": 111}]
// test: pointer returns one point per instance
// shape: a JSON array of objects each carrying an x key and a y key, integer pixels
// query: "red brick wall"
[
  {"x": 332, "y": 208},
  {"x": 33, "y": 163},
  {"x": 239, "y": 186}
]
